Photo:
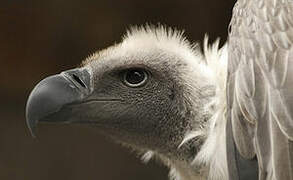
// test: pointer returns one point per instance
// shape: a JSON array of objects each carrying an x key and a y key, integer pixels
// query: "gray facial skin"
[{"x": 154, "y": 116}]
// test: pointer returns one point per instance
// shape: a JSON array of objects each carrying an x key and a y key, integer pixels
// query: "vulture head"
[{"x": 154, "y": 92}]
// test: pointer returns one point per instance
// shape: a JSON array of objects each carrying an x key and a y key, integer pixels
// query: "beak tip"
[
  {"x": 30, "y": 122},
  {"x": 42, "y": 101},
  {"x": 32, "y": 130}
]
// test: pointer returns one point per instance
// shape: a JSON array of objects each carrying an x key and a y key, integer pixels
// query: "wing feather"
[{"x": 260, "y": 84}]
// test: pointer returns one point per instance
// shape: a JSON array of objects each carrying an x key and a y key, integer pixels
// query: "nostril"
[{"x": 78, "y": 80}]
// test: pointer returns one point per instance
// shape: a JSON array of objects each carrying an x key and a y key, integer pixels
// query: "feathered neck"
[
  {"x": 210, "y": 162},
  {"x": 213, "y": 151}
]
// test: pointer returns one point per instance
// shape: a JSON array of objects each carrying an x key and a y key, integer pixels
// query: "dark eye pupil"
[{"x": 135, "y": 76}]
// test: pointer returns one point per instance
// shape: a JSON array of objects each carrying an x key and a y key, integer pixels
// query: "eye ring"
[{"x": 135, "y": 77}]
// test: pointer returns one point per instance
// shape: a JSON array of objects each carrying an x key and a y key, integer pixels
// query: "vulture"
[{"x": 217, "y": 114}]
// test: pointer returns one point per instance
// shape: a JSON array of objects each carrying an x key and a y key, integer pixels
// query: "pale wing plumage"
[{"x": 260, "y": 84}]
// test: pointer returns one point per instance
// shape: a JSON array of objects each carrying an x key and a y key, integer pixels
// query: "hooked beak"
[{"x": 50, "y": 96}]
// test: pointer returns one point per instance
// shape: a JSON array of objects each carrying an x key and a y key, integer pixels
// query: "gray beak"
[{"x": 50, "y": 96}]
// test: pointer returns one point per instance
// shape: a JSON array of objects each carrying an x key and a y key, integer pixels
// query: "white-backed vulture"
[
  {"x": 160, "y": 95},
  {"x": 154, "y": 92}
]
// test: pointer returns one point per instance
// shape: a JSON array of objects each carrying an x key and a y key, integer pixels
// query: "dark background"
[{"x": 40, "y": 38}]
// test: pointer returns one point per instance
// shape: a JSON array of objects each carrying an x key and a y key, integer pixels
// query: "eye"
[{"x": 135, "y": 77}]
